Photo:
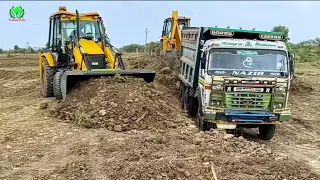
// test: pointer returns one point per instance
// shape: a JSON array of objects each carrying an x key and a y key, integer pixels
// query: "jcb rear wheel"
[
  {"x": 47, "y": 80},
  {"x": 57, "y": 85}
]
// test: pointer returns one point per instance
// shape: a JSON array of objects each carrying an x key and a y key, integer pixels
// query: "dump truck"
[
  {"x": 235, "y": 78},
  {"x": 171, "y": 33},
  {"x": 78, "y": 49}
]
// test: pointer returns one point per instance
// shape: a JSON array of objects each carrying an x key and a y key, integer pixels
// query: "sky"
[{"x": 126, "y": 21}]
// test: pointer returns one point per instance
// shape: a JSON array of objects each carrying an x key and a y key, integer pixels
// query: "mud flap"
[{"x": 69, "y": 78}]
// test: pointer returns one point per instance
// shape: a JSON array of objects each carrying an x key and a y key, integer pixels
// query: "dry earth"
[{"x": 34, "y": 144}]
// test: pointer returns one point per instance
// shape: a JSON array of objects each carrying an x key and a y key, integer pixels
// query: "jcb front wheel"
[
  {"x": 47, "y": 80},
  {"x": 57, "y": 85}
]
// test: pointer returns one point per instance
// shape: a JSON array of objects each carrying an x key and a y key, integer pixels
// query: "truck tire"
[
  {"x": 47, "y": 80},
  {"x": 267, "y": 131},
  {"x": 181, "y": 93},
  {"x": 200, "y": 117},
  {"x": 57, "y": 85},
  {"x": 192, "y": 106},
  {"x": 185, "y": 99}
]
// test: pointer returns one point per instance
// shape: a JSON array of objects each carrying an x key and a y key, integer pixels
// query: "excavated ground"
[
  {"x": 119, "y": 104},
  {"x": 154, "y": 139}
]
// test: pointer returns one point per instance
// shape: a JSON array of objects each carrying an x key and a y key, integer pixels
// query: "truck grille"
[{"x": 245, "y": 100}]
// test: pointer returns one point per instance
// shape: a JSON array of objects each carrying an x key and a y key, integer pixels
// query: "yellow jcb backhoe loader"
[
  {"x": 171, "y": 33},
  {"x": 78, "y": 48}
]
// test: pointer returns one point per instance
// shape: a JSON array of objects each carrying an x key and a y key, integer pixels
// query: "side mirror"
[
  {"x": 104, "y": 28},
  {"x": 291, "y": 56},
  {"x": 203, "y": 61},
  {"x": 291, "y": 63},
  {"x": 59, "y": 36}
]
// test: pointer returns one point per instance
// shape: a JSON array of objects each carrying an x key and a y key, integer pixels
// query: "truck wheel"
[
  {"x": 192, "y": 106},
  {"x": 267, "y": 131},
  {"x": 47, "y": 80},
  {"x": 57, "y": 85},
  {"x": 181, "y": 93},
  {"x": 182, "y": 97},
  {"x": 200, "y": 118},
  {"x": 185, "y": 99}
]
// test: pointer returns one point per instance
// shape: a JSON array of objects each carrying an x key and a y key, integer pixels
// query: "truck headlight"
[
  {"x": 217, "y": 87},
  {"x": 216, "y": 103},
  {"x": 278, "y": 106},
  {"x": 281, "y": 88}
]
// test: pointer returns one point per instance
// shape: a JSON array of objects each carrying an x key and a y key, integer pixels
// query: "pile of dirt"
[
  {"x": 298, "y": 86},
  {"x": 188, "y": 154},
  {"x": 119, "y": 104},
  {"x": 183, "y": 153},
  {"x": 166, "y": 69}
]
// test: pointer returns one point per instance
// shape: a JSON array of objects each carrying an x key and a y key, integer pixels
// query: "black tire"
[
  {"x": 57, "y": 85},
  {"x": 200, "y": 117},
  {"x": 192, "y": 106},
  {"x": 181, "y": 91},
  {"x": 185, "y": 99},
  {"x": 267, "y": 131},
  {"x": 47, "y": 80}
]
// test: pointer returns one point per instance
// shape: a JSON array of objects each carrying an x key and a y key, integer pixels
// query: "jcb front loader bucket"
[{"x": 69, "y": 78}]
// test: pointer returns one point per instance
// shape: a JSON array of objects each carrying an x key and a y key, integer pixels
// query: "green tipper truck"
[{"x": 233, "y": 78}]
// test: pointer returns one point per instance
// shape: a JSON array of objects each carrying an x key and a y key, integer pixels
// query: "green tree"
[
  {"x": 283, "y": 29},
  {"x": 152, "y": 45},
  {"x": 16, "y": 48},
  {"x": 1, "y": 51},
  {"x": 132, "y": 48}
]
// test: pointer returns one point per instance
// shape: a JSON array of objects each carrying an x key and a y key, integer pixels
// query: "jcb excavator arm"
[{"x": 175, "y": 34}]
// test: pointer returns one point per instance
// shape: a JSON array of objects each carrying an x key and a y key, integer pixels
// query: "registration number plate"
[{"x": 250, "y": 89}]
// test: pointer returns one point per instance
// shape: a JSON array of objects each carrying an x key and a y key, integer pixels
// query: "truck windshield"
[
  {"x": 86, "y": 28},
  {"x": 247, "y": 62}
]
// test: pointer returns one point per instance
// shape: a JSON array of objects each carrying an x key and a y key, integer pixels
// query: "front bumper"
[{"x": 246, "y": 116}]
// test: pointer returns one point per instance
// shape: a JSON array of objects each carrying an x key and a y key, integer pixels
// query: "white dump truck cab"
[{"x": 236, "y": 78}]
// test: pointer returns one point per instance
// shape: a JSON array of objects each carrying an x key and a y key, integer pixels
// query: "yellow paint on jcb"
[
  {"x": 90, "y": 46},
  {"x": 173, "y": 41},
  {"x": 47, "y": 57},
  {"x": 81, "y": 65}
]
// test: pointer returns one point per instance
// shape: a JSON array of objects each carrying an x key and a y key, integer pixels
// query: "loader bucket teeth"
[{"x": 70, "y": 78}]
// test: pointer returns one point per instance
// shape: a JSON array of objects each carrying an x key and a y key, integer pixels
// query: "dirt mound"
[
  {"x": 298, "y": 86},
  {"x": 166, "y": 69},
  {"x": 175, "y": 154},
  {"x": 119, "y": 104},
  {"x": 188, "y": 154}
]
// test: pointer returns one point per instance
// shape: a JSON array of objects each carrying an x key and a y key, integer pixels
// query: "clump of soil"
[
  {"x": 166, "y": 69},
  {"x": 298, "y": 86},
  {"x": 189, "y": 154},
  {"x": 119, "y": 104}
]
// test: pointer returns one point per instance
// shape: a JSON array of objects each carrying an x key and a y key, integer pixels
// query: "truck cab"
[{"x": 234, "y": 78}]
